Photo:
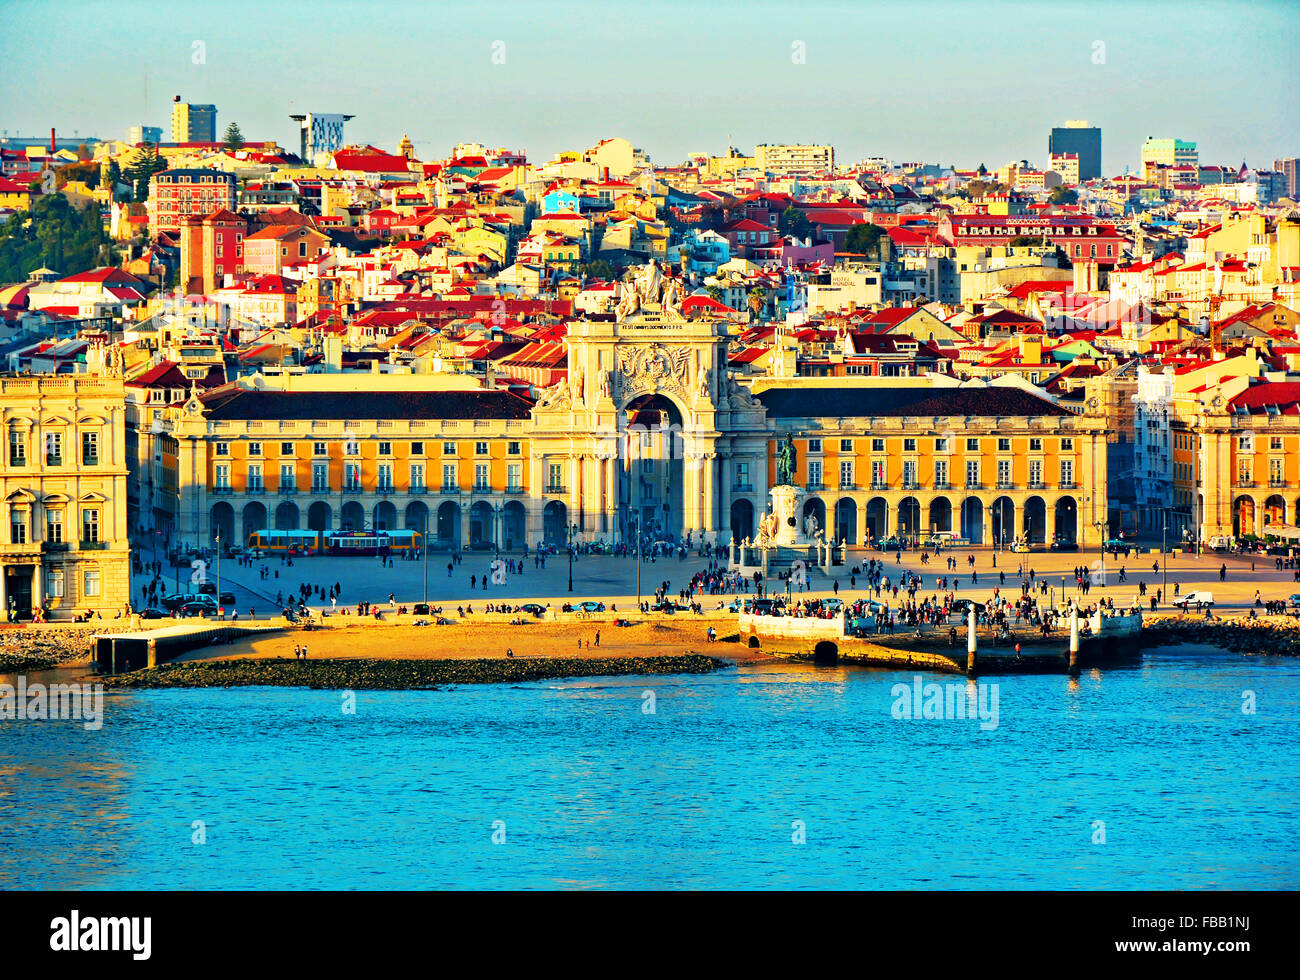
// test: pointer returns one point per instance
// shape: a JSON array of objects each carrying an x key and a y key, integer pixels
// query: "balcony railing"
[
  {"x": 51, "y": 460},
  {"x": 223, "y": 491},
  {"x": 911, "y": 484},
  {"x": 514, "y": 488},
  {"x": 1276, "y": 481},
  {"x": 879, "y": 485},
  {"x": 942, "y": 485},
  {"x": 91, "y": 460},
  {"x": 848, "y": 485},
  {"x": 255, "y": 488},
  {"x": 320, "y": 488},
  {"x": 286, "y": 489},
  {"x": 482, "y": 488},
  {"x": 1006, "y": 485},
  {"x": 555, "y": 488},
  {"x": 384, "y": 488},
  {"x": 1037, "y": 485},
  {"x": 417, "y": 488},
  {"x": 449, "y": 488},
  {"x": 818, "y": 485},
  {"x": 94, "y": 545},
  {"x": 1243, "y": 482},
  {"x": 352, "y": 488},
  {"x": 1069, "y": 485},
  {"x": 974, "y": 485}
]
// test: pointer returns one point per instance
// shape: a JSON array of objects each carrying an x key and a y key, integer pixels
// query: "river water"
[{"x": 785, "y": 776}]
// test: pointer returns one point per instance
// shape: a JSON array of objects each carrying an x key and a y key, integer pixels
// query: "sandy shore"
[{"x": 484, "y": 641}]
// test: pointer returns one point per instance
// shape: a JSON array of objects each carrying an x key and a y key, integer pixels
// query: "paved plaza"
[{"x": 613, "y": 580}]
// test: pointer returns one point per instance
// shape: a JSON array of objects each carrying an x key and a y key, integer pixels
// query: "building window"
[
  {"x": 846, "y": 445},
  {"x": 385, "y": 477},
  {"x": 417, "y": 449},
  {"x": 17, "y": 447},
  {"x": 1004, "y": 445},
  {"x": 449, "y": 449},
  {"x": 1035, "y": 445},
  {"x": 91, "y": 589},
  {"x": 512, "y": 449},
  {"x": 909, "y": 473},
  {"x": 481, "y": 477},
  {"x": 1035, "y": 474},
  {"x": 514, "y": 476},
  {"x": 941, "y": 445},
  {"x": 742, "y": 474},
  {"x": 221, "y": 448},
  {"x": 287, "y": 478},
  {"x": 54, "y": 587},
  {"x": 972, "y": 473},
  {"x": 1067, "y": 445},
  {"x": 940, "y": 473},
  {"x": 53, "y": 449},
  {"x": 1275, "y": 442},
  {"x": 846, "y": 473},
  {"x": 480, "y": 449},
  {"x": 1004, "y": 473},
  {"x": 90, "y": 449},
  {"x": 54, "y": 525},
  {"x": 814, "y": 472},
  {"x": 254, "y": 478},
  {"x": 90, "y": 525},
  {"x": 352, "y": 477},
  {"x": 320, "y": 477},
  {"x": 909, "y": 445},
  {"x": 554, "y": 479},
  {"x": 972, "y": 445},
  {"x": 877, "y": 445},
  {"x": 417, "y": 477},
  {"x": 255, "y": 449},
  {"x": 286, "y": 449},
  {"x": 385, "y": 449},
  {"x": 17, "y": 525},
  {"x": 222, "y": 472},
  {"x": 814, "y": 445},
  {"x": 1067, "y": 473}
]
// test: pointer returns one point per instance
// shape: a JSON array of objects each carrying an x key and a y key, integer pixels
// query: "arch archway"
[
  {"x": 972, "y": 520},
  {"x": 655, "y": 452},
  {"x": 742, "y": 520},
  {"x": 417, "y": 516},
  {"x": 555, "y": 522},
  {"x": 514, "y": 525},
  {"x": 1274, "y": 510},
  {"x": 286, "y": 516},
  {"x": 826, "y": 652},
  {"x": 254, "y": 517},
  {"x": 1003, "y": 523},
  {"x": 320, "y": 516},
  {"x": 385, "y": 516},
  {"x": 482, "y": 525},
  {"x": 846, "y": 520},
  {"x": 353, "y": 516},
  {"x": 1067, "y": 521},
  {"x": 449, "y": 524},
  {"x": 910, "y": 515},
  {"x": 940, "y": 515},
  {"x": 877, "y": 519},
  {"x": 222, "y": 520},
  {"x": 1035, "y": 520},
  {"x": 1243, "y": 516}
]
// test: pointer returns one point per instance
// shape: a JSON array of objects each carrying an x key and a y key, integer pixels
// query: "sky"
[{"x": 941, "y": 81}]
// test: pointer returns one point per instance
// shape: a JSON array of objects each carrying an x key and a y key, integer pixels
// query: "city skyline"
[{"x": 818, "y": 74}]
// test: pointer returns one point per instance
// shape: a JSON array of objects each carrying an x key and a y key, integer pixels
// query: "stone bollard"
[
  {"x": 970, "y": 643},
  {"x": 1074, "y": 640}
]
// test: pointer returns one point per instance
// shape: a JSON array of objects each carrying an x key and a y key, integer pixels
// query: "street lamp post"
[
  {"x": 219, "y": 569},
  {"x": 1100, "y": 526},
  {"x": 424, "y": 553},
  {"x": 572, "y": 527},
  {"x": 1164, "y": 560}
]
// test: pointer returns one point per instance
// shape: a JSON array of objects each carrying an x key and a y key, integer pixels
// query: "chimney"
[{"x": 51, "y": 139}]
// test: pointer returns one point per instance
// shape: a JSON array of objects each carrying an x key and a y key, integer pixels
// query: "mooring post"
[
  {"x": 970, "y": 643},
  {"x": 1074, "y": 639}
]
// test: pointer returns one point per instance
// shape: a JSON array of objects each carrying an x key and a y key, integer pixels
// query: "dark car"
[
  {"x": 226, "y": 598},
  {"x": 591, "y": 606},
  {"x": 198, "y": 608},
  {"x": 533, "y": 609},
  {"x": 153, "y": 613},
  {"x": 421, "y": 609},
  {"x": 178, "y": 599},
  {"x": 963, "y": 606},
  {"x": 208, "y": 588}
]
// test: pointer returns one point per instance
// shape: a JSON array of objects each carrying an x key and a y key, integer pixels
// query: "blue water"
[{"x": 703, "y": 793}]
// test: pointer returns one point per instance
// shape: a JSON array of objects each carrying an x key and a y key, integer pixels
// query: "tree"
[
  {"x": 864, "y": 239},
  {"x": 53, "y": 233},
  {"x": 1023, "y": 240},
  {"x": 1063, "y": 195},
  {"x": 795, "y": 222},
  {"x": 599, "y": 269},
  {"x": 142, "y": 166},
  {"x": 757, "y": 300},
  {"x": 234, "y": 138},
  {"x": 715, "y": 292}
]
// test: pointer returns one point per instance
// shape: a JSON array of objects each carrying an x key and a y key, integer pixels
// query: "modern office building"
[
  {"x": 1290, "y": 171},
  {"x": 321, "y": 133},
  {"x": 1077, "y": 137},
  {"x": 144, "y": 134},
  {"x": 790, "y": 158},
  {"x": 193, "y": 123},
  {"x": 1169, "y": 153}
]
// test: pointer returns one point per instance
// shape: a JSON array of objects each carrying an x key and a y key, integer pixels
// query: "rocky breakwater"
[
  {"x": 355, "y": 674},
  {"x": 43, "y": 647},
  {"x": 1270, "y": 635}
]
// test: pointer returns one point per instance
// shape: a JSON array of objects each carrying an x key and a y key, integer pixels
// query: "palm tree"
[{"x": 757, "y": 300}]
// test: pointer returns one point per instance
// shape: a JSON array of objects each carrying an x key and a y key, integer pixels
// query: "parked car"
[
  {"x": 963, "y": 606},
  {"x": 208, "y": 588},
  {"x": 226, "y": 598},
  {"x": 533, "y": 609},
  {"x": 421, "y": 609},
  {"x": 1064, "y": 544},
  {"x": 154, "y": 613},
  {"x": 1219, "y": 543},
  {"x": 833, "y": 603},
  {"x": 591, "y": 606},
  {"x": 199, "y": 607},
  {"x": 178, "y": 599},
  {"x": 1193, "y": 598}
]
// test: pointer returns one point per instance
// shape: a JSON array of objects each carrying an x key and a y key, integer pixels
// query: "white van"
[
  {"x": 1219, "y": 543},
  {"x": 943, "y": 539}
]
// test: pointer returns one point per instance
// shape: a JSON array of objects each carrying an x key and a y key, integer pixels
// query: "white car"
[{"x": 1194, "y": 598}]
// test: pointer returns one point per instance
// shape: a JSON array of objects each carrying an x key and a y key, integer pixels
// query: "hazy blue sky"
[{"x": 947, "y": 82}]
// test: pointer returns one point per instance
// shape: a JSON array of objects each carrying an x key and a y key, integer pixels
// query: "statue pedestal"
[{"x": 789, "y": 518}]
